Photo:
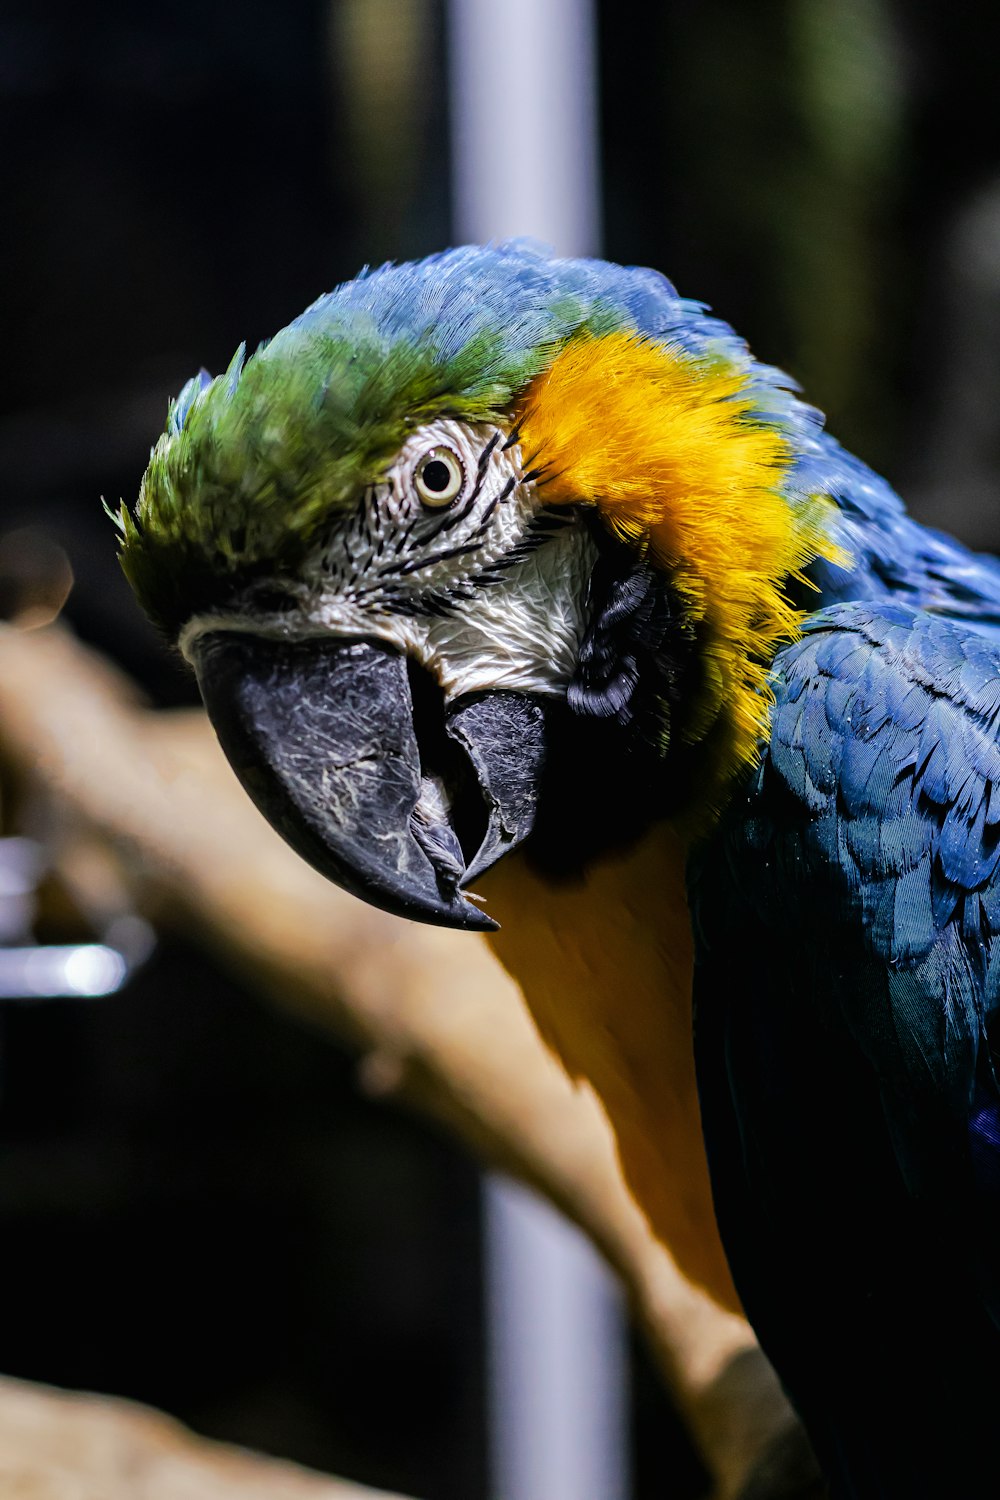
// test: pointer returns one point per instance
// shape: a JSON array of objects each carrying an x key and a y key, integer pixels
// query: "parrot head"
[{"x": 487, "y": 550}]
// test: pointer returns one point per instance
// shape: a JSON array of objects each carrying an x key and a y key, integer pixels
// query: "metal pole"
[
  {"x": 524, "y": 122},
  {"x": 558, "y": 1378},
  {"x": 525, "y": 162}
]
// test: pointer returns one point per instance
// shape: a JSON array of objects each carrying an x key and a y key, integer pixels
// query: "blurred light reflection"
[{"x": 61, "y": 971}]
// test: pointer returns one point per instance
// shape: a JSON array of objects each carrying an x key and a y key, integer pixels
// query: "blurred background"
[{"x": 199, "y": 1205}]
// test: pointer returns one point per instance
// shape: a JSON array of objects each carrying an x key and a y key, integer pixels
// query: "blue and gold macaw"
[{"x": 520, "y": 574}]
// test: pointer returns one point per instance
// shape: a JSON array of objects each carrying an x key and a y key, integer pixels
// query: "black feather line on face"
[
  {"x": 428, "y": 560},
  {"x": 484, "y": 457},
  {"x": 498, "y": 499},
  {"x": 541, "y": 529}
]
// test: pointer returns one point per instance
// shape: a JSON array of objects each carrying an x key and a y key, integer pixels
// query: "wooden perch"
[
  {"x": 433, "y": 1014},
  {"x": 58, "y": 1445}
]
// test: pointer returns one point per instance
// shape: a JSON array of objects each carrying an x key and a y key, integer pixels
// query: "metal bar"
[
  {"x": 523, "y": 95},
  {"x": 524, "y": 122},
  {"x": 558, "y": 1378}
]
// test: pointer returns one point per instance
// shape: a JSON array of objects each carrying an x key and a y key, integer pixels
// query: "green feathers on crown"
[{"x": 254, "y": 463}]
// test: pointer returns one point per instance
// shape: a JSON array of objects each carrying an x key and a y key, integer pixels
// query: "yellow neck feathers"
[{"x": 676, "y": 456}]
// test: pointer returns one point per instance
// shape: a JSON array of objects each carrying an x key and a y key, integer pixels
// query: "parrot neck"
[
  {"x": 681, "y": 459},
  {"x": 605, "y": 963}
]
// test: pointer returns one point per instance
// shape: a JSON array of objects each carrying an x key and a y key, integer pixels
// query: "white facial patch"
[
  {"x": 524, "y": 633},
  {"x": 487, "y": 592},
  {"x": 396, "y": 550},
  {"x": 454, "y": 558}
]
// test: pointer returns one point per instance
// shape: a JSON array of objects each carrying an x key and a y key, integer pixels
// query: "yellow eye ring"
[{"x": 439, "y": 478}]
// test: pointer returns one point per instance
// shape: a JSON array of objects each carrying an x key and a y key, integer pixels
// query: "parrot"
[{"x": 524, "y": 600}]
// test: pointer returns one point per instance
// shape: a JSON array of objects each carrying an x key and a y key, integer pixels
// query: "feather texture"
[
  {"x": 678, "y": 458},
  {"x": 846, "y": 907},
  {"x": 847, "y": 988}
]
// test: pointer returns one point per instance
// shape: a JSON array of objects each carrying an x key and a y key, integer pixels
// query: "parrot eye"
[{"x": 439, "y": 478}]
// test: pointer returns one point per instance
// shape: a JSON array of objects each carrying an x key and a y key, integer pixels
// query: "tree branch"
[
  {"x": 433, "y": 1014},
  {"x": 59, "y": 1445}
]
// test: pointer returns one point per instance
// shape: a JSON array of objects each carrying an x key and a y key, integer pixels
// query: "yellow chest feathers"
[{"x": 605, "y": 966}]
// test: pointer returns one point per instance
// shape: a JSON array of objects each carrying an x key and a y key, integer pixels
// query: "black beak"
[{"x": 354, "y": 758}]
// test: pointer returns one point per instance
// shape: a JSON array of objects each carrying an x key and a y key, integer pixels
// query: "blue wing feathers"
[
  {"x": 886, "y": 718},
  {"x": 854, "y": 1128}
]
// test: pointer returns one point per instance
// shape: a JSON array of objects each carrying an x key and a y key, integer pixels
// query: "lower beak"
[{"x": 355, "y": 759}]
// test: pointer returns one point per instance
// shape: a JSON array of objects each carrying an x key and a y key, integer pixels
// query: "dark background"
[{"x": 198, "y": 1206}]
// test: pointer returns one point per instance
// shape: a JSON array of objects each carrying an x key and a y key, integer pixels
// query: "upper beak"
[{"x": 362, "y": 768}]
